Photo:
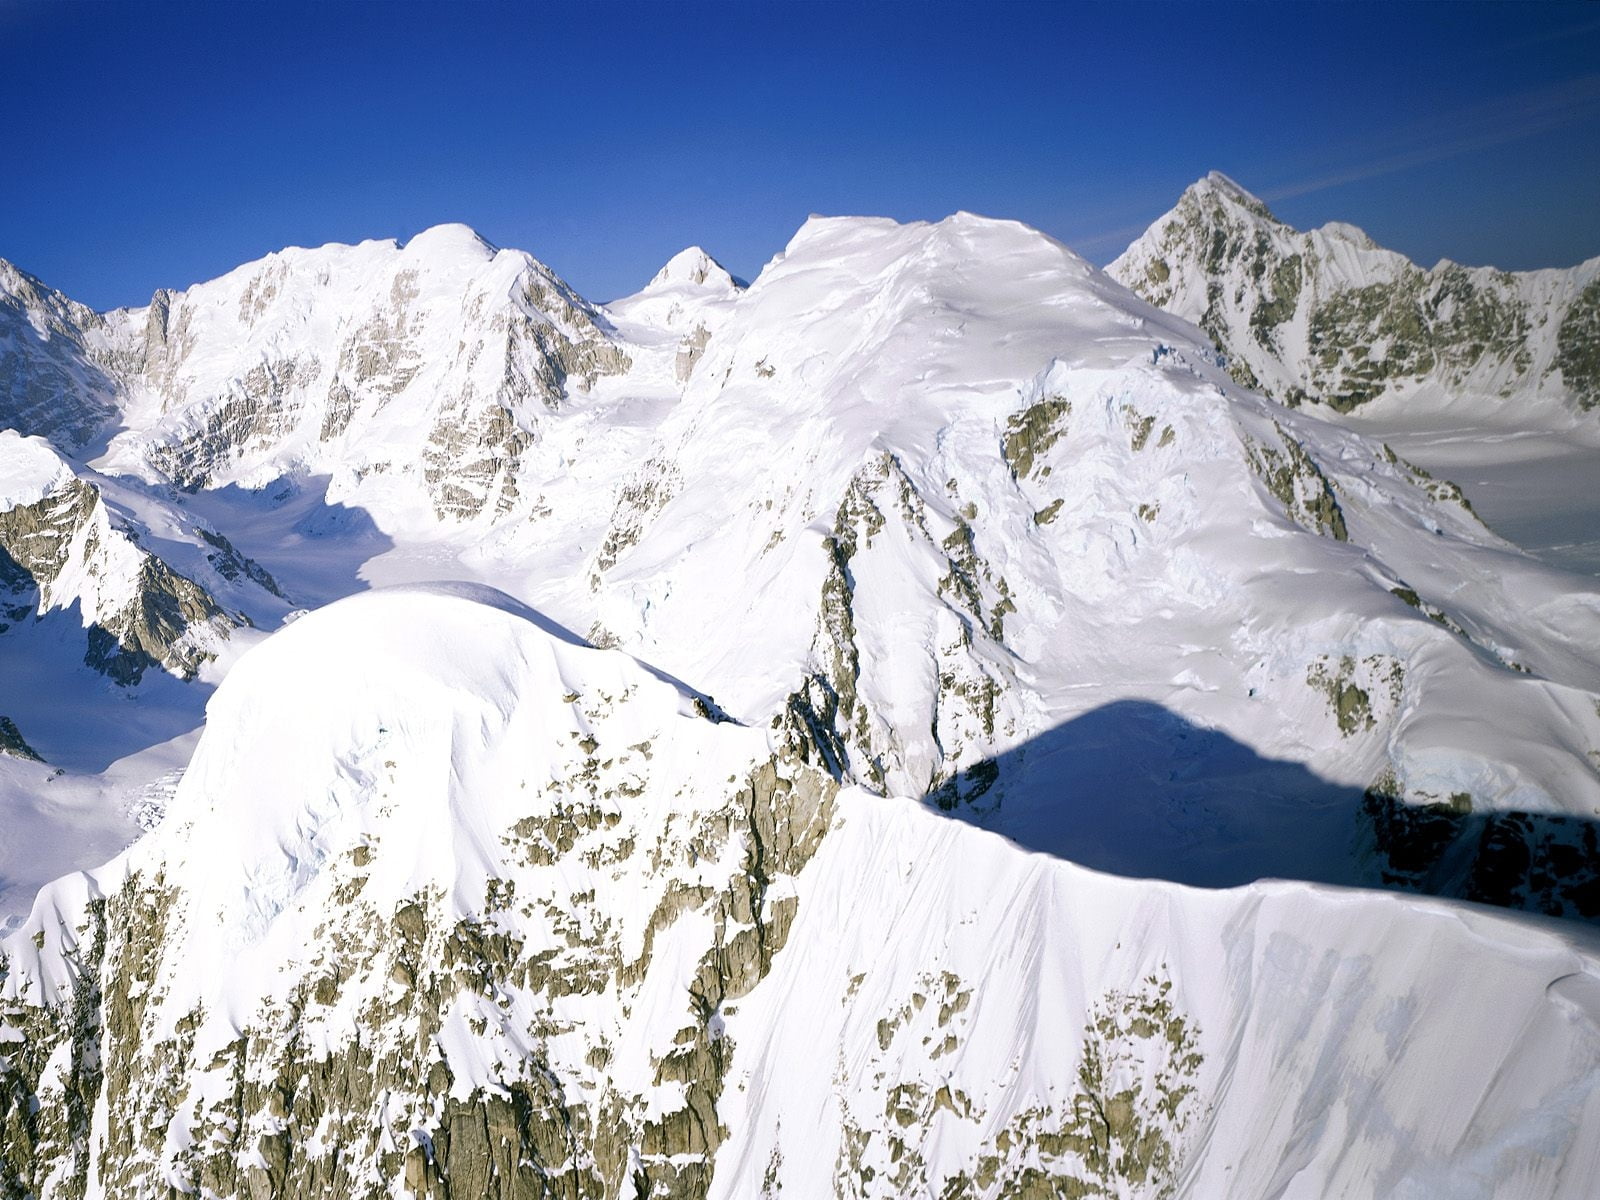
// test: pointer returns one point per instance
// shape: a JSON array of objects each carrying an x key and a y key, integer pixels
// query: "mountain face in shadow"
[{"x": 1135, "y": 789}]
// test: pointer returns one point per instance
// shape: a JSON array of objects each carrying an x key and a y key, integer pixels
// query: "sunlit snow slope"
[{"x": 451, "y": 905}]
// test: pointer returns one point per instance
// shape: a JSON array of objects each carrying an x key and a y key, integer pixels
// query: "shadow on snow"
[{"x": 1135, "y": 789}]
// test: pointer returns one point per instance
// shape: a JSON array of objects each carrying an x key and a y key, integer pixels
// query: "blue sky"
[{"x": 149, "y": 145}]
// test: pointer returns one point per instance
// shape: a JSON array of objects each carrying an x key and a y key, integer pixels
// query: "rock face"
[
  {"x": 482, "y": 912},
  {"x": 53, "y": 382},
  {"x": 62, "y": 547},
  {"x": 1328, "y": 317}
]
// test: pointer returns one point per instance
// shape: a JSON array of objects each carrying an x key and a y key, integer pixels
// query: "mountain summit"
[
  {"x": 693, "y": 268},
  {"x": 1329, "y": 317}
]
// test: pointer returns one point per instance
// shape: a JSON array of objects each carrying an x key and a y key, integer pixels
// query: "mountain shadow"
[
  {"x": 1135, "y": 789},
  {"x": 313, "y": 547}
]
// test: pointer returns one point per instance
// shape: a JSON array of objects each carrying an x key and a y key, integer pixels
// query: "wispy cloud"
[
  {"x": 1544, "y": 36},
  {"x": 1476, "y": 127},
  {"x": 1479, "y": 126},
  {"x": 1116, "y": 239}
]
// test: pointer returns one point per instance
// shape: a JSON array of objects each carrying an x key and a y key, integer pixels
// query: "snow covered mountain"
[
  {"x": 484, "y": 911},
  {"x": 429, "y": 365},
  {"x": 117, "y": 612},
  {"x": 973, "y": 494},
  {"x": 1330, "y": 317},
  {"x": 661, "y": 857},
  {"x": 52, "y": 379}
]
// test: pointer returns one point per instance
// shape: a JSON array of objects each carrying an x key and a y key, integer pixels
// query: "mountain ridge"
[
  {"x": 1326, "y": 317},
  {"x": 624, "y": 997}
]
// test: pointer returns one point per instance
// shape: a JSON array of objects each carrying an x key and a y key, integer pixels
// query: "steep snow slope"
[
  {"x": 475, "y": 880},
  {"x": 1330, "y": 317},
  {"x": 482, "y": 911},
  {"x": 109, "y": 601}
]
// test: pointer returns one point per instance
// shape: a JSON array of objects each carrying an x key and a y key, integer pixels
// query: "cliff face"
[{"x": 53, "y": 383}]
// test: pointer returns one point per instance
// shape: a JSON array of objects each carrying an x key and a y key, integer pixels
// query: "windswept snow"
[{"x": 30, "y": 469}]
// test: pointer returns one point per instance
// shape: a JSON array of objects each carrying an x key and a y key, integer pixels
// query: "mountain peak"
[
  {"x": 450, "y": 241},
  {"x": 1219, "y": 186},
  {"x": 693, "y": 267}
]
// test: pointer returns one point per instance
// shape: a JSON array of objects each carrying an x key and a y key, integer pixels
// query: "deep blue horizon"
[{"x": 160, "y": 145}]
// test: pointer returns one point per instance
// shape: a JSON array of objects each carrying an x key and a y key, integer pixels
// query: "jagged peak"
[
  {"x": 11, "y": 276},
  {"x": 693, "y": 267},
  {"x": 1216, "y": 185},
  {"x": 34, "y": 293}
]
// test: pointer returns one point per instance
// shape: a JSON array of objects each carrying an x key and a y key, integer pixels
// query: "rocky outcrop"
[
  {"x": 13, "y": 743},
  {"x": 67, "y": 550},
  {"x": 1537, "y": 862},
  {"x": 1328, "y": 317}
]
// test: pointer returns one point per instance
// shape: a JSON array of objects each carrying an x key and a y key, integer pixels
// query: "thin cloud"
[
  {"x": 1494, "y": 123},
  {"x": 1511, "y": 119},
  {"x": 1565, "y": 34},
  {"x": 1118, "y": 238}
]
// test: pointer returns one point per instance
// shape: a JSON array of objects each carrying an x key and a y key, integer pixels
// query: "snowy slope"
[
  {"x": 993, "y": 528},
  {"x": 451, "y": 905},
  {"x": 113, "y": 606},
  {"x": 671, "y": 865},
  {"x": 946, "y": 490},
  {"x": 1330, "y": 317}
]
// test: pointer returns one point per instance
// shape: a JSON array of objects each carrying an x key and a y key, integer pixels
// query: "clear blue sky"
[{"x": 146, "y": 145}]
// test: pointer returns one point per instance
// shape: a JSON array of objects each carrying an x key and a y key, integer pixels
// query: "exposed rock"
[
  {"x": 67, "y": 549},
  {"x": 1329, "y": 317}
]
